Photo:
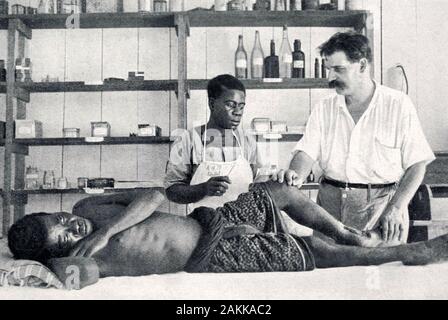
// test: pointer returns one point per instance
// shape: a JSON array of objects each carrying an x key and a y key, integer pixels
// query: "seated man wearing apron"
[{"x": 213, "y": 164}]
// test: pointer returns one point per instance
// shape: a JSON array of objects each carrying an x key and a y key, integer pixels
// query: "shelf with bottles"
[
  {"x": 79, "y": 86},
  {"x": 78, "y": 191},
  {"x": 307, "y": 18},
  {"x": 253, "y": 84},
  {"x": 96, "y": 141},
  {"x": 94, "y": 20}
]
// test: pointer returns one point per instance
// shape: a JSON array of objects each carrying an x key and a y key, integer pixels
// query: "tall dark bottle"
[
  {"x": 298, "y": 58},
  {"x": 271, "y": 64},
  {"x": 240, "y": 60}
]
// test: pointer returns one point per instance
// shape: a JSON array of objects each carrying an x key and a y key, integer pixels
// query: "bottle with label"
[
  {"x": 285, "y": 56},
  {"x": 316, "y": 68},
  {"x": 298, "y": 58},
  {"x": 324, "y": 69},
  {"x": 240, "y": 60},
  {"x": 280, "y": 5},
  {"x": 295, "y": 5},
  {"x": 48, "y": 180},
  {"x": 271, "y": 64},
  {"x": 257, "y": 59}
]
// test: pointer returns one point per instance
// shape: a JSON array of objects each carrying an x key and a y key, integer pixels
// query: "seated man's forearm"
[
  {"x": 185, "y": 194},
  {"x": 409, "y": 184},
  {"x": 301, "y": 164}
]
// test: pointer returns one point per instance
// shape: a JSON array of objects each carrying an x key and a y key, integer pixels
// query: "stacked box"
[
  {"x": 28, "y": 129},
  {"x": 103, "y": 6}
]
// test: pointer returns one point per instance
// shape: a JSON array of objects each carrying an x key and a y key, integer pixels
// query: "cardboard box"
[
  {"x": 28, "y": 129},
  {"x": 103, "y": 6}
]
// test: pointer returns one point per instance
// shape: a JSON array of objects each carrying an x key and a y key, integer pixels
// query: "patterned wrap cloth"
[{"x": 247, "y": 235}]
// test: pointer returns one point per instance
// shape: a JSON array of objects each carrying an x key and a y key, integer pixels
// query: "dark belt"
[{"x": 343, "y": 185}]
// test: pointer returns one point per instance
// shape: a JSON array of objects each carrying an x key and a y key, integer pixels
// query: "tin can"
[
  {"x": 160, "y": 6},
  {"x": 4, "y": 7},
  {"x": 144, "y": 5},
  {"x": 82, "y": 182},
  {"x": 62, "y": 183},
  {"x": 100, "y": 129},
  {"x": 18, "y": 9},
  {"x": 354, "y": 4}
]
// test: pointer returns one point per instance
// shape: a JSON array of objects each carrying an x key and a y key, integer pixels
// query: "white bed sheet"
[{"x": 393, "y": 281}]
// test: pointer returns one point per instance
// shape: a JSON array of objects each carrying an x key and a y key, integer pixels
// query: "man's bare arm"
[
  {"x": 301, "y": 163},
  {"x": 139, "y": 209},
  {"x": 392, "y": 219}
]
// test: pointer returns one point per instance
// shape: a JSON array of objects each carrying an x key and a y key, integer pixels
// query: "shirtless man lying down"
[{"x": 245, "y": 235}]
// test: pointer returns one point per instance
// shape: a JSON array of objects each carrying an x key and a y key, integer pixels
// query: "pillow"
[{"x": 24, "y": 272}]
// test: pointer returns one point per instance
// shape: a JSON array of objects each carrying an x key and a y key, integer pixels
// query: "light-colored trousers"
[{"x": 359, "y": 209}]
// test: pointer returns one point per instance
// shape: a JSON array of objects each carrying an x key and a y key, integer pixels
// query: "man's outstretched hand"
[
  {"x": 392, "y": 224},
  {"x": 90, "y": 245},
  {"x": 290, "y": 177}
]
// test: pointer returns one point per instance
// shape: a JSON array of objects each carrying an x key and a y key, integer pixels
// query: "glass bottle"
[
  {"x": 280, "y": 5},
  {"x": 41, "y": 8},
  {"x": 285, "y": 56},
  {"x": 316, "y": 68},
  {"x": 240, "y": 60},
  {"x": 257, "y": 58},
  {"x": 324, "y": 70},
  {"x": 271, "y": 65},
  {"x": 298, "y": 57}
]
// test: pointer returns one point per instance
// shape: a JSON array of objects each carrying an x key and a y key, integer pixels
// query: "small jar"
[
  {"x": 354, "y": 4},
  {"x": 62, "y": 183},
  {"x": 144, "y": 5},
  {"x": 160, "y": 6},
  {"x": 82, "y": 182},
  {"x": 310, "y": 4}
]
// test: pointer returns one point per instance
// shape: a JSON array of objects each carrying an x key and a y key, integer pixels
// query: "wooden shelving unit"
[{"x": 18, "y": 94}]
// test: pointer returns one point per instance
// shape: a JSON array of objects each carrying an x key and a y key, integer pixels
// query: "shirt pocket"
[{"x": 387, "y": 160}]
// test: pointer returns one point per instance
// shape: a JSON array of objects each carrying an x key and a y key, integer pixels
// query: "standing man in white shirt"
[{"x": 368, "y": 141}]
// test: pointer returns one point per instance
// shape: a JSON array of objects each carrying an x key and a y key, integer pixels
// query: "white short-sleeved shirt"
[
  {"x": 387, "y": 140},
  {"x": 187, "y": 153}
]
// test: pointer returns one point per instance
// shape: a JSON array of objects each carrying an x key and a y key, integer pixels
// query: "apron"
[
  {"x": 239, "y": 172},
  {"x": 357, "y": 208}
]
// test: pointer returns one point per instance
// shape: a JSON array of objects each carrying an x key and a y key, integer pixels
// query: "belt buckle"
[{"x": 344, "y": 193}]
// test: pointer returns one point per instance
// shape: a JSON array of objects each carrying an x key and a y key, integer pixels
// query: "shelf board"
[
  {"x": 286, "y": 137},
  {"x": 81, "y": 141},
  {"x": 70, "y": 191},
  {"x": 311, "y": 83},
  {"x": 146, "y": 85},
  {"x": 312, "y": 18},
  {"x": 94, "y": 20},
  {"x": 305, "y": 187}
]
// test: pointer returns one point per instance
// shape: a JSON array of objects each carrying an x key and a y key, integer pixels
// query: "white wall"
[{"x": 414, "y": 34}]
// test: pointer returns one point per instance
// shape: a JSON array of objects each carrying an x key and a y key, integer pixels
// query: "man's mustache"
[{"x": 336, "y": 84}]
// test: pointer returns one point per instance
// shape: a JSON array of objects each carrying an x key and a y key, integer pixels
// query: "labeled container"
[
  {"x": 49, "y": 182},
  {"x": 278, "y": 126},
  {"x": 160, "y": 6},
  {"x": 100, "y": 129},
  {"x": 147, "y": 130},
  {"x": 82, "y": 182},
  {"x": 296, "y": 5},
  {"x": 220, "y": 5},
  {"x": 103, "y": 6},
  {"x": 28, "y": 129},
  {"x": 261, "y": 124},
  {"x": 236, "y": 5},
  {"x": 310, "y": 4},
  {"x": 2, "y": 71},
  {"x": 71, "y": 132},
  {"x": 4, "y": 7},
  {"x": 18, "y": 9},
  {"x": 354, "y": 4},
  {"x": 62, "y": 183},
  {"x": 32, "y": 181},
  {"x": 144, "y": 6}
]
